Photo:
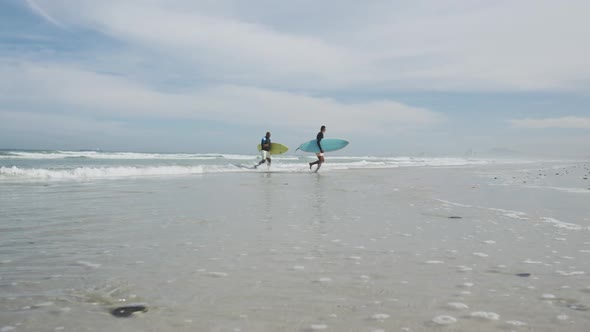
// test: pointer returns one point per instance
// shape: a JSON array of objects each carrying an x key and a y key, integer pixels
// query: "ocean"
[
  {"x": 203, "y": 242},
  {"x": 84, "y": 165}
]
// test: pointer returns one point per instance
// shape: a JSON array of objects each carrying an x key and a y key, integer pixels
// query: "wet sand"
[{"x": 497, "y": 247}]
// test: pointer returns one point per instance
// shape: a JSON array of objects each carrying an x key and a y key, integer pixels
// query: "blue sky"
[{"x": 393, "y": 77}]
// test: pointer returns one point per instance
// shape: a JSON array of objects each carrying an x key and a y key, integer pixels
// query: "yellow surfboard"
[{"x": 275, "y": 148}]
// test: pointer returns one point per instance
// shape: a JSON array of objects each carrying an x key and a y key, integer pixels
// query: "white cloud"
[
  {"x": 79, "y": 91},
  {"x": 224, "y": 48},
  {"x": 259, "y": 64},
  {"x": 569, "y": 122},
  {"x": 39, "y": 11},
  {"x": 34, "y": 123},
  {"x": 506, "y": 45}
]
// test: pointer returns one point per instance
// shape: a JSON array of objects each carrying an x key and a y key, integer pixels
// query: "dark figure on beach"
[
  {"x": 265, "y": 151},
  {"x": 320, "y": 154}
]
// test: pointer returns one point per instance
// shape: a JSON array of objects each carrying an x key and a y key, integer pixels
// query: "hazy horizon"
[{"x": 499, "y": 153}]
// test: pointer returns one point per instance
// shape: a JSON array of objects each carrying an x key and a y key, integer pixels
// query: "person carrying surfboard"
[
  {"x": 265, "y": 150},
  {"x": 320, "y": 154}
]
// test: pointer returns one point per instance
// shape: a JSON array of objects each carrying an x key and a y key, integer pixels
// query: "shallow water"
[{"x": 406, "y": 249}]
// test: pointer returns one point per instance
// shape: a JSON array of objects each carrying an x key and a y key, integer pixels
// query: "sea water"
[
  {"x": 82, "y": 165},
  {"x": 365, "y": 244}
]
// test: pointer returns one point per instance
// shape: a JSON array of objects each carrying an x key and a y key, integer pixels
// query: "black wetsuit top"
[
  {"x": 319, "y": 138},
  {"x": 265, "y": 141}
]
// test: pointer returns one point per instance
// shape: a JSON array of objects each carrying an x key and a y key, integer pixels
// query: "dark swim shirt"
[
  {"x": 319, "y": 138},
  {"x": 265, "y": 141}
]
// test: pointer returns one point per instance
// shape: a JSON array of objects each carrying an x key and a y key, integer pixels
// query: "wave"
[
  {"x": 388, "y": 162},
  {"x": 212, "y": 157},
  {"x": 37, "y": 155},
  {"x": 95, "y": 172},
  {"x": 563, "y": 189},
  {"x": 287, "y": 165}
]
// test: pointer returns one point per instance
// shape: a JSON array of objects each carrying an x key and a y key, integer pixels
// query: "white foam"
[
  {"x": 572, "y": 273},
  {"x": 44, "y": 304},
  {"x": 380, "y": 316},
  {"x": 561, "y": 224},
  {"x": 516, "y": 323},
  {"x": 511, "y": 214},
  {"x": 221, "y": 165},
  {"x": 121, "y": 155},
  {"x": 562, "y": 189},
  {"x": 318, "y": 327},
  {"x": 410, "y": 161},
  {"x": 480, "y": 254},
  {"x": 82, "y": 173},
  {"x": 238, "y": 157},
  {"x": 516, "y": 216},
  {"x": 89, "y": 264},
  {"x": 455, "y": 204},
  {"x": 434, "y": 262},
  {"x": 462, "y": 268},
  {"x": 485, "y": 315},
  {"x": 217, "y": 274},
  {"x": 444, "y": 320},
  {"x": 457, "y": 305}
]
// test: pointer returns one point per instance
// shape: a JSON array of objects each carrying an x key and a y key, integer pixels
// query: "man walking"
[
  {"x": 320, "y": 154},
  {"x": 265, "y": 150}
]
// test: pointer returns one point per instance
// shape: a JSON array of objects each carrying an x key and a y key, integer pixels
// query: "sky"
[{"x": 392, "y": 77}]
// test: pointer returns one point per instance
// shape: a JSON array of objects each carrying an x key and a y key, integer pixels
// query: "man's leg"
[
  {"x": 319, "y": 162},
  {"x": 265, "y": 157}
]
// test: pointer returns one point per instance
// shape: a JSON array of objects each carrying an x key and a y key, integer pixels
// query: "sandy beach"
[{"x": 494, "y": 247}]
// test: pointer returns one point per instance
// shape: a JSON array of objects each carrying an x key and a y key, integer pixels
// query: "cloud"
[
  {"x": 39, "y": 11},
  {"x": 404, "y": 45},
  {"x": 44, "y": 87},
  {"x": 34, "y": 124},
  {"x": 250, "y": 65},
  {"x": 223, "y": 48},
  {"x": 568, "y": 122}
]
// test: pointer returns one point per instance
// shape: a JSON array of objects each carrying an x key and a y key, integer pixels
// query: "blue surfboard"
[{"x": 328, "y": 144}]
